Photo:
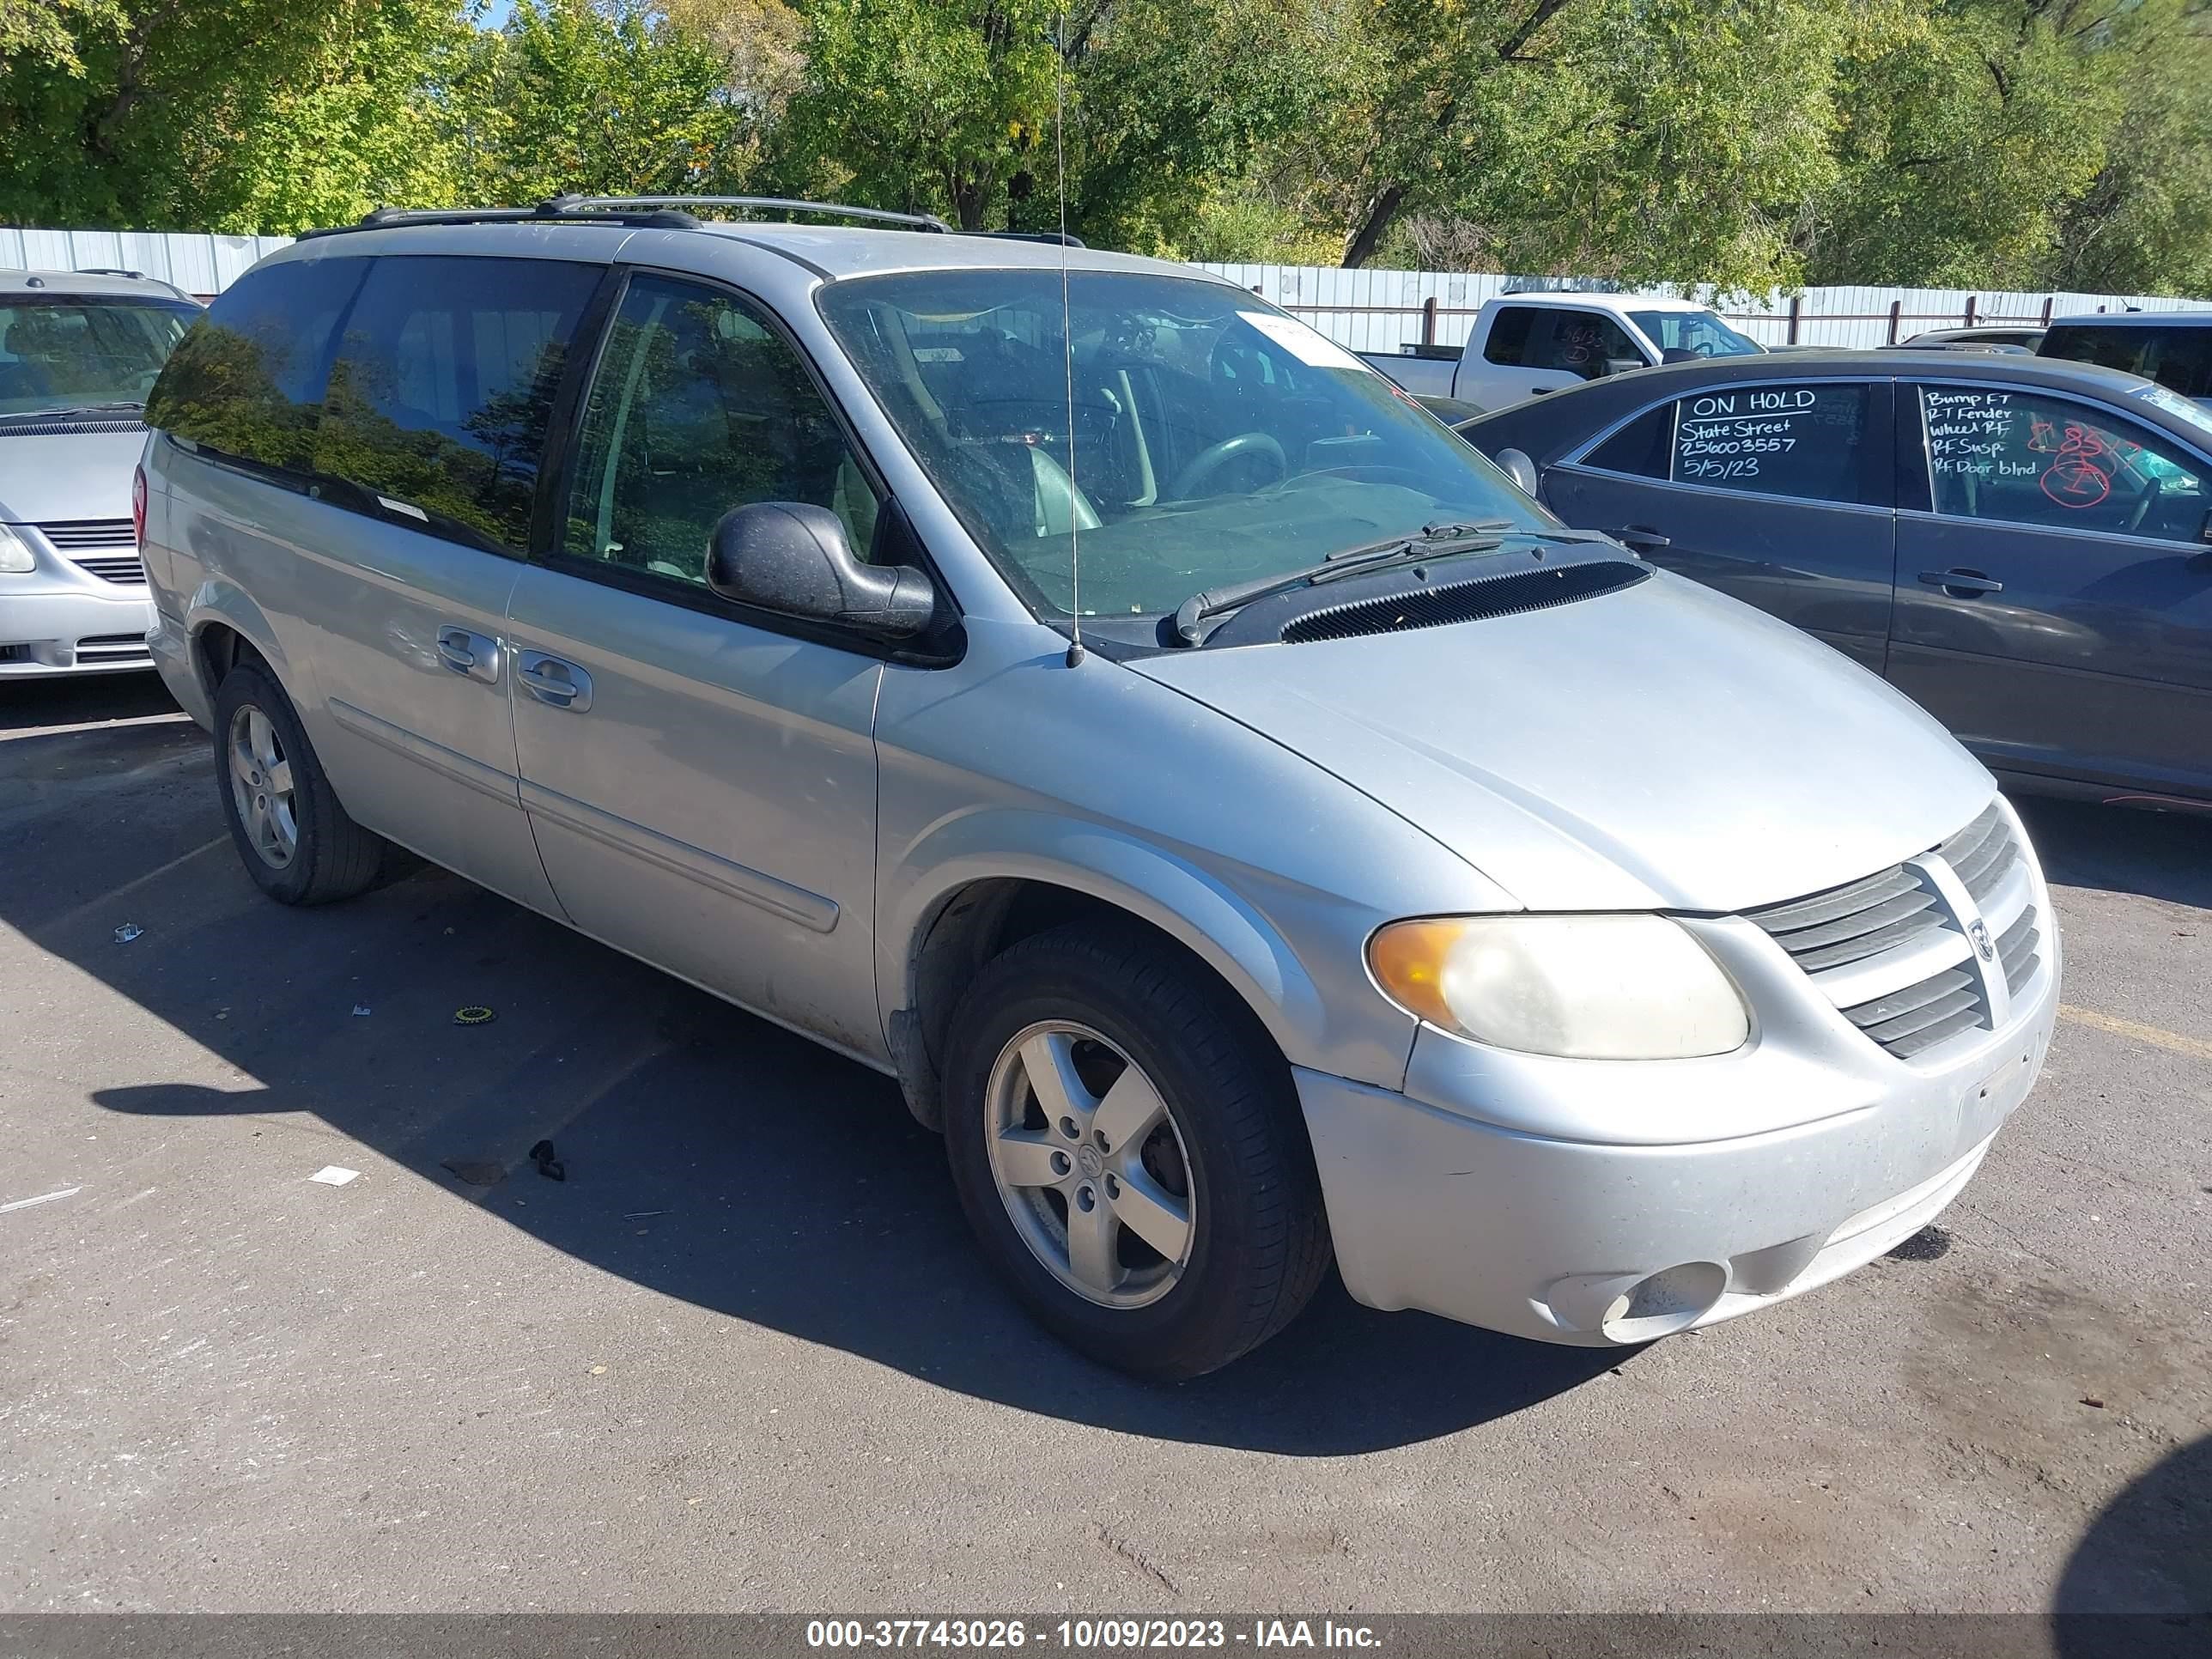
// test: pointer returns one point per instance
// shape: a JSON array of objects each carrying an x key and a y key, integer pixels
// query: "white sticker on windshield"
[{"x": 1301, "y": 342}]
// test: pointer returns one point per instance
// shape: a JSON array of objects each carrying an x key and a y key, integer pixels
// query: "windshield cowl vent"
[
  {"x": 72, "y": 428},
  {"x": 1471, "y": 601}
]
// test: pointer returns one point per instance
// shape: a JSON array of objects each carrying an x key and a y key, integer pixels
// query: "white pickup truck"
[{"x": 1524, "y": 344}]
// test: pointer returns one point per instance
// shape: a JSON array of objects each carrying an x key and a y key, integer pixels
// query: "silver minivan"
[
  {"x": 78, "y": 352},
  {"x": 1252, "y": 830}
]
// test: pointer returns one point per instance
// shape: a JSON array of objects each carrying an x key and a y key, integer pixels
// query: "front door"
[
  {"x": 1778, "y": 495},
  {"x": 427, "y": 453},
  {"x": 2054, "y": 608},
  {"x": 702, "y": 781}
]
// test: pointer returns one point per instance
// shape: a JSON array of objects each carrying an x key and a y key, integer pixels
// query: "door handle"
[
  {"x": 553, "y": 681},
  {"x": 1539, "y": 391},
  {"x": 1961, "y": 584},
  {"x": 470, "y": 654},
  {"x": 1636, "y": 535}
]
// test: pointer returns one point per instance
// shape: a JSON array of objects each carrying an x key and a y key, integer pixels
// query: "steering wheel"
[
  {"x": 2152, "y": 490},
  {"x": 1211, "y": 459}
]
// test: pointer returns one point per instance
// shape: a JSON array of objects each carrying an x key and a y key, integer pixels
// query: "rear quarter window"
[
  {"x": 1641, "y": 448},
  {"x": 246, "y": 380}
]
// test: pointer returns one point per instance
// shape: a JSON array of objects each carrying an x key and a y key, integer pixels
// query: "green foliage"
[
  {"x": 924, "y": 105},
  {"x": 1743, "y": 142},
  {"x": 1966, "y": 128},
  {"x": 224, "y": 114},
  {"x": 1185, "y": 107},
  {"x": 608, "y": 98}
]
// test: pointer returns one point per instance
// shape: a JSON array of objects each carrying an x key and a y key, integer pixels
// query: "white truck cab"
[{"x": 1524, "y": 345}]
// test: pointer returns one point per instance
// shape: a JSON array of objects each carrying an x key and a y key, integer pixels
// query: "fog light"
[{"x": 1665, "y": 1302}]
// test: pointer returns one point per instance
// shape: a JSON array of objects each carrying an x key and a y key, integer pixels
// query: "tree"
[
  {"x": 2144, "y": 225},
  {"x": 1641, "y": 139},
  {"x": 1966, "y": 128},
  {"x": 1185, "y": 108},
  {"x": 223, "y": 114},
  {"x": 606, "y": 98},
  {"x": 923, "y": 104}
]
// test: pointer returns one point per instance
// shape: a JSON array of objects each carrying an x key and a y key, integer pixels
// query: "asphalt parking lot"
[{"x": 743, "y": 1356}]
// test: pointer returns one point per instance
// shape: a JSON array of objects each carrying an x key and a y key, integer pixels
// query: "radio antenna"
[{"x": 1067, "y": 340}]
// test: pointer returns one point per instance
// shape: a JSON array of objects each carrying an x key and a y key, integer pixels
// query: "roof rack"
[
  {"x": 766, "y": 204},
  {"x": 640, "y": 212},
  {"x": 1050, "y": 238},
  {"x": 555, "y": 209},
  {"x": 134, "y": 276}
]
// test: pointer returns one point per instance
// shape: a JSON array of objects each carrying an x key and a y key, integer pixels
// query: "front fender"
[{"x": 1353, "y": 1032}]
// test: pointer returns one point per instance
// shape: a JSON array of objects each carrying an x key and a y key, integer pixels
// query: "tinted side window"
[
  {"x": 1642, "y": 448},
  {"x": 2025, "y": 458},
  {"x": 442, "y": 389},
  {"x": 697, "y": 407},
  {"x": 1509, "y": 334},
  {"x": 246, "y": 380},
  {"x": 2178, "y": 356},
  {"x": 1808, "y": 441},
  {"x": 1577, "y": 343}
]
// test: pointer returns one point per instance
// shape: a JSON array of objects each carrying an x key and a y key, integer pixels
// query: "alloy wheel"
[
  {"x": 261, "y": 788},
  {"x": 1090, "y": 1164}
]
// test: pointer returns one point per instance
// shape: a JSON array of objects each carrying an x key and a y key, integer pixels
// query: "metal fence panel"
[
  {"x": 1390, "y": 310},
  {"x": 1367, "y": 310}
]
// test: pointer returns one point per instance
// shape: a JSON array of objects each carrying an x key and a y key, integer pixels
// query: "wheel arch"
[
  {"x": 226, "y": 627},
  {"x": 977, "y": 904}
]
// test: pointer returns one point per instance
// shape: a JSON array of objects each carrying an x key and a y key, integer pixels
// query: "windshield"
[
  {"x": 2174, "y": 403},
  {"x": 1697, "y": 333},
  {"x": 71, "y": 350},
  {"x": 1215, "y": 439}
]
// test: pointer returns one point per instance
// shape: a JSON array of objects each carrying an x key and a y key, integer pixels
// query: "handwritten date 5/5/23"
[{"x": 1085, "y": 1635}]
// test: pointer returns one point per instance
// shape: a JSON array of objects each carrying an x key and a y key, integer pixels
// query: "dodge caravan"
[{"x": 1249, "y": 827}]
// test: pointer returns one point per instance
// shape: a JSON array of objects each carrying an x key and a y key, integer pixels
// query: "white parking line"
[{"x": 43, "y": 1198}]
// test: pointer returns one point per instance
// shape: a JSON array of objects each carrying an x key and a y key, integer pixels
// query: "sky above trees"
[{"x": 2012, "y": 143}]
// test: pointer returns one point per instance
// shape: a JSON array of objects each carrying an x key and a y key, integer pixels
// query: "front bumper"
[
  {"x": 1601, "y": 1203},
  {"x": 65, "y": 626}
]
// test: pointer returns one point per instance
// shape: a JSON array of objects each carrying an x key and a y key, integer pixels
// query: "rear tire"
[
  {"x": 1127, "y": 1143},
  {"x": 293, "y": 838}
]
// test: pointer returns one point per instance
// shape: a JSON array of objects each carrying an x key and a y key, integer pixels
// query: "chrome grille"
[
  {"x": 68, "y": 535},
  {"x": 125, "y": 568},
  {"x": 1887, "y": 951}
]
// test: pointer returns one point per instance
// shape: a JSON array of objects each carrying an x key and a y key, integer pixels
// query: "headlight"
[
  {"x": 1586, "y": 988},
  {"x": 15, "y": 553}
]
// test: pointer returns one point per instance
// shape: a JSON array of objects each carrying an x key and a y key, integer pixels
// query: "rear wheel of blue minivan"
[
  {"x": 294, "y": 839},
  {"x": 1127, "y": 1143}
]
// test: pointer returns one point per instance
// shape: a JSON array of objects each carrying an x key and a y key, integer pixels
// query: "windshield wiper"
[
  {"x": 1434, "y": 541},
  {"x": 71, "y": 411}
]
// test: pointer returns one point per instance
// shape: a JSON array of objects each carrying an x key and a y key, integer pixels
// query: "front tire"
[
  {"x": 1127, "y": 1144},
  {"x": 293, "y": 838}
]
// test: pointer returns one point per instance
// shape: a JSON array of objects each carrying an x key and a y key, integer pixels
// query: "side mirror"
[
  {"x": 792, "y": 558},
  {"x": 1519, "y": 468},
  {"x": 2205, "y": 529},
  {"x": 1622, "y": 365}
]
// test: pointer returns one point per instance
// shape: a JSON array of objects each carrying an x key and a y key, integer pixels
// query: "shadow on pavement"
[
  {"x": 82, "y": 700},
  {"x": 2161, "y": 855},
  {"x": 709, "y": 1156},
  {"x": 2149, "y": 1552}
]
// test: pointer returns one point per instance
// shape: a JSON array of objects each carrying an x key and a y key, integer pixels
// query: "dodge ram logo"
[{"x": 1985, "y": 947}]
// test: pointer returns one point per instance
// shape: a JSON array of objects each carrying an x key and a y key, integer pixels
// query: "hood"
[
  {"x": 1660, "y": 747},
  {"x": 47, "y": 476}
]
